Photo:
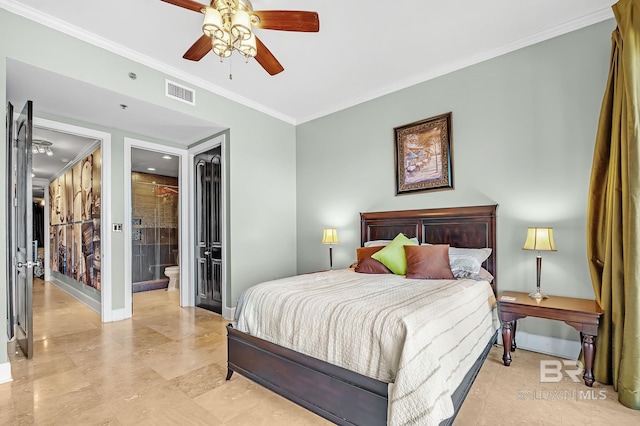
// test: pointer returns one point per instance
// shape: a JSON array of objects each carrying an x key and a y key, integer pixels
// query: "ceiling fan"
[{"x": 228, "y": 26}]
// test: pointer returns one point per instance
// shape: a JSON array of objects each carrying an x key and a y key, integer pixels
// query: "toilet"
[{"x": 173, "y": 273}]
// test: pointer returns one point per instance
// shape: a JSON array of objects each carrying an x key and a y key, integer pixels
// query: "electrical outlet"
[{"x": 117, "y": 227}]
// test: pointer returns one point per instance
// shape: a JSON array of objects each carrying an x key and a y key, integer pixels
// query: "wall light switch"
[{"x": 117, "y": 227}]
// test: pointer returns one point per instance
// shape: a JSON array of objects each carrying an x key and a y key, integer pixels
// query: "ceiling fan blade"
[
  {"x": 199, "y": 49},
  {"x": 187, "y": 4},
  {"x": 288, "y": 20},
  {"x": 266, "y": 59}
]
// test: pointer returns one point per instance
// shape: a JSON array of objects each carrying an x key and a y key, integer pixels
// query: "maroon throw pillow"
[
  {"x": 371, "y": 266},
  {"x": 364, "y": 252},
  {"x": 428, "y": 262}
]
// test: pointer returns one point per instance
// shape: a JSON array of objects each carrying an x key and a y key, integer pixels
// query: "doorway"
[
  {"x": 155, "y": 212},
  {"x": 44, "y": 165},
  {"x": 155, "y": 223},
  {"x": 75, "y": 185},
  {"x": 202, "y": 276}
]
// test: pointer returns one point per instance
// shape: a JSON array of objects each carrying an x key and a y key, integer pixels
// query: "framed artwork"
[{"x": 423, "y": 155}]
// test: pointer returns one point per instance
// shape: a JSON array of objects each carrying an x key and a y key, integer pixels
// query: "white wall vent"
[{"x": 182, "y": 93}]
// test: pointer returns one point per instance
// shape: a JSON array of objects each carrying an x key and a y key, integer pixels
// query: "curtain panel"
[{"x": 613, "y": 216}]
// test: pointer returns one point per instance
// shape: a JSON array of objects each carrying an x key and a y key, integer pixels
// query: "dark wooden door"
[
  {"x": 11, "y": 270},
  {"x": 208, "y": 229},
  {"x": 24, "y": 253}
]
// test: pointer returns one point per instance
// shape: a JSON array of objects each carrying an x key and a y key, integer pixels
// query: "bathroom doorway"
[
  {"x": 154, "y": 221},
  {"x": 155, "y": 217}
]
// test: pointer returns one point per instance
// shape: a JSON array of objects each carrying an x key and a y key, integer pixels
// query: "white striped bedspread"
[{"x": 420, "y": 336}]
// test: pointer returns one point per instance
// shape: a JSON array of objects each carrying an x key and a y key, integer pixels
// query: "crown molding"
[
  {"x": 35, "y": 15},
  {"x": 576, "y": 24},
  {"x": 32, "y": 14}
]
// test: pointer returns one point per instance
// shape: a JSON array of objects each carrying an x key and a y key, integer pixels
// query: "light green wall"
[
  {"x": 524, "y": 128},
  {"x": 261, "y": 152}
]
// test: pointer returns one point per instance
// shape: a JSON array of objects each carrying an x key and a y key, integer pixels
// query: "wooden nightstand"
[{"x": 581, "y": 314}]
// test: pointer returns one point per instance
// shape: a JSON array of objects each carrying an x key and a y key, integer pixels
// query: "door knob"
[{"x": 27, "y": 264}]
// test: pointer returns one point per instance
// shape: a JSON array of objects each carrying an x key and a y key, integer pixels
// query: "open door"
[
  {"x": 11, "y": 272},
  {"x": 22, "y": 256}
]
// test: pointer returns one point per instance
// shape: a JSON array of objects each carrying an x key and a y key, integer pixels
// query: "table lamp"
[
  {"x": 540, "y": 239},
  {"x": 330, "y": 236}
]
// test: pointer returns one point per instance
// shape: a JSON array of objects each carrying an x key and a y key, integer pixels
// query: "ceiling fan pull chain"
[{"x": 230, "y": 74}]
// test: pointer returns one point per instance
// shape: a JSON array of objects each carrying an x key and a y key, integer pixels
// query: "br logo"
[{"x": 552, "y": 371}]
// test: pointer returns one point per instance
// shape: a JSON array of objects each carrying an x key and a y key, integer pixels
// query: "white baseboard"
[
  {"x": 228, "y": 313},
  {"x": 562, "y": 348},
  {"x": 119, "y": 314},
  {"x": 92, "y": 304},
  {"x": 5, "y": 372}
]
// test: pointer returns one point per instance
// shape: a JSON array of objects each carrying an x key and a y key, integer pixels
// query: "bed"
[{"x": 345, "y": 396}]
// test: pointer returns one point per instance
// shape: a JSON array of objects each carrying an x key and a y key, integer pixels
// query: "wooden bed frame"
[{"x": 340, "y": 395}]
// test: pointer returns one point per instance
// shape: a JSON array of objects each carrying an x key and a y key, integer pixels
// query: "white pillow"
[
  {"x": 466, "y": 263},
  {"x": 485, "y": 275},
  {"x": 377, "y": 243}
]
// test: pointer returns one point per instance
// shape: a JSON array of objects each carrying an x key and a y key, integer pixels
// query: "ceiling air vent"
[{"x": 181, "y": 93}]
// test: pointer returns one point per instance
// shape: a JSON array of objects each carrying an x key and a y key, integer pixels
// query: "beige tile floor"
[{"x": 166, "y": 366}]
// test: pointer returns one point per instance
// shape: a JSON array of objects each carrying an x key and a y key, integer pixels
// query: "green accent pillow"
[{"x": 393, "y": 255}]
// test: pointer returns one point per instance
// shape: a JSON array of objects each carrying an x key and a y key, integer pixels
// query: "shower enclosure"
[{"x": 154, "y": 213}]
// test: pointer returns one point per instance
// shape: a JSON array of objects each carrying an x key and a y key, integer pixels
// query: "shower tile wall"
[{"x": 155, "y": 229}]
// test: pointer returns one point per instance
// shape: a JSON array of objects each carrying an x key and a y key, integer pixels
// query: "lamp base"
[{"x": 538, "y": 295}]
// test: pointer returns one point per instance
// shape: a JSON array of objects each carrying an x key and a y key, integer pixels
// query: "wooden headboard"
[{"x": 464, "y": 227}]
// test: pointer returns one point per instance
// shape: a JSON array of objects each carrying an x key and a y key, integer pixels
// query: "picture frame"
[{"x": 424, "y": 155}]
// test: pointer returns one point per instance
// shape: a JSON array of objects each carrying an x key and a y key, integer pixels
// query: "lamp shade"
[
  {"x": 241, "y": 25},
  {"x": 540, "y": 239},
  {"x": 221, "y": 46},
  {"x": 330, "y": 236},
  {"x": 212, "y": 25},
  {"x": 248, "y": 47}
]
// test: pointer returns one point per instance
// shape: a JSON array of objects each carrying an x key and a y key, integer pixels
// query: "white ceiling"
[
  {"x": 66, "y": 148},
  {"x": 364, "y": 49},
  {"x": 164, "y": 164},
  {"x": 59, "y": 95},
  {"x": 50, "y": 94}
]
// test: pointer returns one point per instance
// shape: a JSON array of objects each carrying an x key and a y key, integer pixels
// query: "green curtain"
[{"x": 613, "y": 216}]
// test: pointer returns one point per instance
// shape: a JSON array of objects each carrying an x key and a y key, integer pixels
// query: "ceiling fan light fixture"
[
  {"x": 222, "y": 46},
  {"x": 226, "y": 7},
  {"x": 241, "y": 26},
  {"x": 248, "y": 47},
  {"x": 228, "y": 25},
  {"x": 212, "y": 25}
]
